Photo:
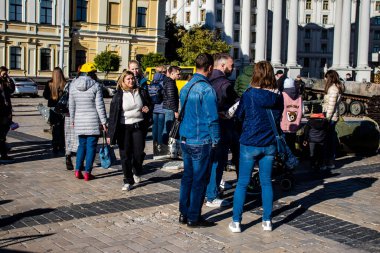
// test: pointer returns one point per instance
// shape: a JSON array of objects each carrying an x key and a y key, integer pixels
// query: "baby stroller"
[{"x": 280, "y": 173}]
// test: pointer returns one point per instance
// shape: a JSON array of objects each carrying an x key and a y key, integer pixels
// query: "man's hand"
[
  {"x": 304, "y": 143},
  {"x": 108, "y": 141},
  {"x": 105, "y": 129},
  {"x": 176, "y": 115},
  {"x": 145, "y": 109}
]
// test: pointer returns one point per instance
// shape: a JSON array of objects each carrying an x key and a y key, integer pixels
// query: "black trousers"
[
  {"x": 3, "y": 136},
  {"x": 317, "y": 151},
  {"x": 58, "y": 135},
  {"x": 131, "y": 141}
]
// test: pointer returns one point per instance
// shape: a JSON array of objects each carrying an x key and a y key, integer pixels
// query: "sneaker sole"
[
  {"x": 267, "y": 229},
  {"x": 234, "y": 230}
]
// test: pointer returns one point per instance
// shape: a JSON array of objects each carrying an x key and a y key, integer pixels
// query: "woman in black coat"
[{"x": 130, "y": 115}]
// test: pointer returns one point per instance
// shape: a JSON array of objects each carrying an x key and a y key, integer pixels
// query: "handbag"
[
  {"x": 174, "y": 131},
  {"x": 283, "y": 150},
  {"x": 62, "y": 106},
  {"x": 106, "y": 154}
]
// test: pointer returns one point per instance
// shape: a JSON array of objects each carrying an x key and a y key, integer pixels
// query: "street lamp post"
[{"x": 62, "y": 44}]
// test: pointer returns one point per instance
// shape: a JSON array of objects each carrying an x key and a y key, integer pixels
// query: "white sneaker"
[
  {"x": 137, "y": 179},
  {"x": 218, "y": 203},
  {"x": 234, "y": 227},
  {"x": 126, "y": 187},
  {"x": 267, "y": 225},
  {"x": 224, "y": 185}
]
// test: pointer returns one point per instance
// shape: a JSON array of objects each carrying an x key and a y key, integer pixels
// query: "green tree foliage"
[
  {"x": 107, "y": 61},
  {"x": 199, "y": 40},
  {"x": 173, "y": 43},
  {"x": 152, "y": 60}
]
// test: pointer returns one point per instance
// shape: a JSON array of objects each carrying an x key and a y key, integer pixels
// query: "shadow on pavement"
[
  {"x": 5, "y": 201},
  {"x": 6, "y": 242},
  {"x": 14, "y": 218}
]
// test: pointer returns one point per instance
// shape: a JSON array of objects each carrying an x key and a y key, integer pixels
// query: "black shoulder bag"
[{"x": 174, "y": 132}]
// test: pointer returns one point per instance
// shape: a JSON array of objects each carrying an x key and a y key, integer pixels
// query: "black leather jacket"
[
  {"x": 116, "y": 110},
  {"x": 7, "y": 87},
  {"x": 171, "y": 98}
]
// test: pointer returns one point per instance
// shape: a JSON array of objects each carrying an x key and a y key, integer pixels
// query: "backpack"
[
  {"x": 292, "y": 114},
  {"x": 156, "y": 91}
]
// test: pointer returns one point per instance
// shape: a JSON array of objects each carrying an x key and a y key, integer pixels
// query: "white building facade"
[
  {"x": 340, "y": 34},
  {"x": 30, "y": 36}
]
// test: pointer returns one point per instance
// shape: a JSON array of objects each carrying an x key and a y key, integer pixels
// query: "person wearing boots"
[{"x": 7, "y": 87}]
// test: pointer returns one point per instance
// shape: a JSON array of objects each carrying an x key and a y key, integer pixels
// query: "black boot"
[{"x": 69, "y": 163}]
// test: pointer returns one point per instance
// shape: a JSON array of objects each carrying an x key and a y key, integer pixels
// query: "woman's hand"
[
  {"x": 108, "y": 141},
  {"x": 304, "y": 143},
  {"x": 105, "y": 129},
  {"x": 145, "y": 109}
]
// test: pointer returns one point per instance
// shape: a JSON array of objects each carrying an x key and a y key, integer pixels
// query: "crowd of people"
[{"x": 214, "y": 122}]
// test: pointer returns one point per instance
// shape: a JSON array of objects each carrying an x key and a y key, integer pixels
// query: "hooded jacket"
[
  {"x": 86, "y": 106},
  {"x": 316, "y": 130},
  {"x": 257, "y": 130}
]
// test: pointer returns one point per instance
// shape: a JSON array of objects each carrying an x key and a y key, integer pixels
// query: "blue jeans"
[
  {"x": 86, "y": 150},
  {"x": 196, "y": 159},
  {"x": 158, "y": 127},
  {"x": 249, "y": 155},
  {"x": 169, "y": 119}
]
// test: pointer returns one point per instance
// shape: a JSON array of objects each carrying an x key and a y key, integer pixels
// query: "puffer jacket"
[
  {"x": 171, "y": 98},
  {"x": 86, "y": 106},
  {"x": 330, "y": 103},
  {"x": 7, "y": 87}
]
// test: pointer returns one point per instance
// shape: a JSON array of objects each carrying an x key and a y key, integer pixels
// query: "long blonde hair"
[
  {"x": 57, "y": 83},
  {"x": 120, "y": 81}
]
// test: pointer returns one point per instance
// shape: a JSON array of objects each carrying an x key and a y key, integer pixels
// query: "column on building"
[
  {"x": 24, "y": 10},
  {"x": 161, "y": 21},
  {"x": 180, "y": 12},
  {"x": 229, "y": 22},
  {"x": 194, "y": 15},
  {"x": 245, "y": 42},
  {"x": 261, "y": 26},
  {"x": 292, "y": 34},
  {"x": 31, "y": 17},
  {"x": 3, "y": 15},
  {"x": 210, "y": 13},
  {"x": 276, "y": 33},
  {"x": 345, "y": 37},
  {"x": 2, "y": 53},
  {"x": 125, "y": 17},
  {"x": 362, "y": 69},
  {"x": 168, "y": 9},
  {"x": 337, "y": 33},
  {"x": 32, "y": 59},
  {"x": 102, "y": 15}
]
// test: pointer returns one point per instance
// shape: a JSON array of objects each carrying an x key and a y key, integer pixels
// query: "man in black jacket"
[
  {"x": 7, "y": 87},
  {"x": 229, "y": 139},
  {"x": 280, "y": 77},
  {"x": 171, "y": 100}
]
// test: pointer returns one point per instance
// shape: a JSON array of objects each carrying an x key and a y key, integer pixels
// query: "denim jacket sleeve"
[{"x": 210, "y": 107}]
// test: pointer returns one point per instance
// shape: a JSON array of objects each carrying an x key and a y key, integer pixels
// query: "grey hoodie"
[{"x": 86, "y": 105}]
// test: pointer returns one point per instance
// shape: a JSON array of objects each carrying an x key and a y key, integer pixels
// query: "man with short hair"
[
  {"x": 135, "y": 68},
  {"x": 171, "y": 100},
  {"x": 227, "y": 97},
  {"x": 280, "y": 77},
  {"x": 349, "y": 77},
  {"x": 199, "y": 135}
]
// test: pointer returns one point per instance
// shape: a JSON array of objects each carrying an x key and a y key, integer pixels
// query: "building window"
[
  {"x": 253, "y": 19},
  {"x": 376, "y": 49},
  {"x": 253, "y": 3},
  {"x": 323, "y": 62},
  {"x": 307, "y": 33},
  {"x": 325, "y": 4},
  {"x": 15, "y": 10},
  {"x": 236, "y": 53},
  {"x": 188, "y": 17},
  {"x": 306, "y": 62},
  {"x": 308, "y": 4},
  {"x": 237, "y": 18},
  {"x": 325, "y": 19},
  {"x": 141, "y": 17},
  {"x": 236, "y": 35},
  {"x": 174, "y": 4},
  {"x": 377, "y": 21},
  {"x": 15, "y": 57},
  {"x": 253, "y": 37},
  {"x": 80, "y": 58},
  {"x": 219, "y": 1},
  {"x": 324, "y": 34},
  {"x": 308, "y": 18},
  {"x": 81, "y": 10},
  {"x": 45, "y": 59},
  {"x": 45, "y": 12},
  {"x": 324, "y": 48},
  {"x": 377, "y": 6},
  {"x": 307, "y": 47},
  {"x": 203, "y": 15},
  {"x": 377, "y": 35},
  {"x": 219, "y": 15},
  {"x": 237, "y": 2}
]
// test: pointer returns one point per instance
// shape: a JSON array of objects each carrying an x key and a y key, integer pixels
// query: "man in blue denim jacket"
[{"x": 199, "y": 135}]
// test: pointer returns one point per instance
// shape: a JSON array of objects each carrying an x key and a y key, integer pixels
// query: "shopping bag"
[{"x": 106, "y": 154}]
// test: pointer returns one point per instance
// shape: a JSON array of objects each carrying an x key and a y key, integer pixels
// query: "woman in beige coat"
[{"x": 334, "y": 89}]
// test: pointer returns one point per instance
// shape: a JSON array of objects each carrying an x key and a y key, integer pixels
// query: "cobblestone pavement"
[{"x": 43, "y": 208}]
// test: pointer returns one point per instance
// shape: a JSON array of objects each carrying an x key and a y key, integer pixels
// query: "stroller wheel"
[{"x": 287, "y": 183}]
